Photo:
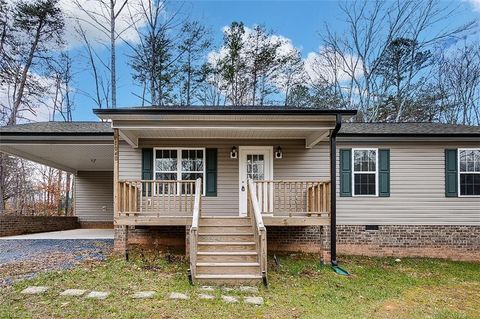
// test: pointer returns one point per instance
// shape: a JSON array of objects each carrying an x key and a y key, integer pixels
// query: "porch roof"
[{"x": 223, "y": 122}]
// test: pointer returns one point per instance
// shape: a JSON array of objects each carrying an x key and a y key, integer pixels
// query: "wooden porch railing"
[
  {"x": 197, "y": 212},
  {"x": 293, "y": 198},
  {"x": 254, "y": 212},
  {"x": 156, "y": 197}
]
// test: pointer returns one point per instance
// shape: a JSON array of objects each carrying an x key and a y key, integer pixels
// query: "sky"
[{"x": 300, "y": 21}]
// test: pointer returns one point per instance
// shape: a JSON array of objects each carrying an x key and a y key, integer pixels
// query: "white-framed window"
[
  {"x": 365, "y": 171},
  {"x": 172, "y": 164},
  {"x": 469, "y": 172}
]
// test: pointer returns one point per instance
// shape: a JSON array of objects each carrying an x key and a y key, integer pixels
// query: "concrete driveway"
[
  {"x": 68, "y": 234},
  {"x": 24, "y": 256}
]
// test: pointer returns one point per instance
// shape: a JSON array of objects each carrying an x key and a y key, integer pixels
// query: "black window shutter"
[
  {"x": 345, "y": 172},
  {"x": 451, "y": 173},
  {"x": 384, "y": 173},
  {"x": 147, "y": 166},
  {"x": 211, "y": 172}
]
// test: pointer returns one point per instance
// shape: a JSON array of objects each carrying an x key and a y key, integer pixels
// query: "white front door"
[{"x": 255, "y": 162}]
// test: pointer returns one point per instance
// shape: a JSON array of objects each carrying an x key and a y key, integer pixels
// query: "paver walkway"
[
  {"x": 34, "y": 290},
  {"x": 98, "y": 295},
  {"x": 101, "y": 295},
  {"x": 73, "y": 292},
  {"x": 143, "y": 295}
]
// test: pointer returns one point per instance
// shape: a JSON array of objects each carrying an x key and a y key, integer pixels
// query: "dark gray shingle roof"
[
  {"x": 408, "y": 129},
  {"x": 58, "y": 128},
  {"x": 348, "y": 129}
]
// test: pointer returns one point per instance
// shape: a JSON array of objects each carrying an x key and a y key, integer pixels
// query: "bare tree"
[
  {"x": 154, "y": 59},
  {"x": 292, "y": 74},
  {"x": 104, "y": 17},
  {"x": 42, "y": 23},
  {"x": 27, "y": 42},
  {"x": 193, "y": 46},
  {"x": 458, "y": 85},
  {"x": 371, "y": 28},
  {"x": 101, "y": 94}
]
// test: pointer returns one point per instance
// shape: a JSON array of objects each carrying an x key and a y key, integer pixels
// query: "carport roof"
[{"x": 58, "y": 128}]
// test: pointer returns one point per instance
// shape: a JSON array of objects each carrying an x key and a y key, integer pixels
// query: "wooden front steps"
[{"x": 227, "y": 251}]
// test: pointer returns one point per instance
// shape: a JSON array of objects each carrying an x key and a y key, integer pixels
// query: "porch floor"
[{"x": 187, "y": 220}]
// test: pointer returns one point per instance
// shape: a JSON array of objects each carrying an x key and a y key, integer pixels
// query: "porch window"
[
  {"x": 178, "y": 164},
  {"x": 469, "y": 171},
  {"x": 365, "y": 172}
]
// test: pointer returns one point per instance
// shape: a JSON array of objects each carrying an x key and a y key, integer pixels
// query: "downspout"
[{"x": 333, "y": 192}]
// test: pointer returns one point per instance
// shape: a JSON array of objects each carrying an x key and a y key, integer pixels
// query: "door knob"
[{"x": 243, "y": 188}]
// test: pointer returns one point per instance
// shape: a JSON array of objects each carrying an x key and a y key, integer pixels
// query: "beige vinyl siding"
[
  {"x": 417, "y": 190},
  {"x": 417, "y": 194},
  {"x": 94, "y": 196},
  {"x": 130, "y": 162},
  {"x": 297, "y": 163}
]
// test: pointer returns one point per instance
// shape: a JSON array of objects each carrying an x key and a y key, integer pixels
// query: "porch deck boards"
[{"x": 187, "y": 220}]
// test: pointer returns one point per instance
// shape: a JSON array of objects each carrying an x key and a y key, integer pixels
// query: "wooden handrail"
[
  {"x": 194, "y": 228},
  {"x": 196, "y": 205},
  {"x": 256, "y": 208},
  {"x": 293, "y": 197},
  {"x": 261, "y": 231},
  {"x": 156, "y": 197}
]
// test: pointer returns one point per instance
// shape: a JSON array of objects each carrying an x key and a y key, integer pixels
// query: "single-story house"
[{"x": 227, "y": 184}]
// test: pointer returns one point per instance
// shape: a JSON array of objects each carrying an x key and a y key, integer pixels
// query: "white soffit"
[{"x": 68, "y": 157}]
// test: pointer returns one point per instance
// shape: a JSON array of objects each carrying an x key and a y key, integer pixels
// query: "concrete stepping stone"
[
  {"x": 73, "y": 292},
  {"x": 249, "y": 289},
  {"x": 206, "y": 296},
  {"x": 34, "y": 290},
  {"x": 207, "y": 288},
  {"x": 98, "y": 295},
  {"x": 258, "y": 301},
  {"x": 227, "y": 289},
  {"x": 178, "y": 296},
  {"x": 143, "y": 295},
  {"x": 230, "y": 299}
]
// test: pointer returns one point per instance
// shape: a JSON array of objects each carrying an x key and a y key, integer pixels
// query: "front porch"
[
  {"x": 281, "y": 203},
  {"x": 225, "y": 177}
]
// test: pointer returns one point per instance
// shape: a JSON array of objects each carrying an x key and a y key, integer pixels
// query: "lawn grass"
[{"x": 299, "y": 288}]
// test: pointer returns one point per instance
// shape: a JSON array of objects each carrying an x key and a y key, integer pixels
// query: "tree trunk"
[
  {"x": 59, "y": 193},
  {"x": 189, "y": 76},
  {"x": 112, "y": 46}
]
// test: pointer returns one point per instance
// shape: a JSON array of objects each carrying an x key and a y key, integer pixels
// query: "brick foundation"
[
  {"x": 120, "y": 238},
  {"x": 309, "y": 239},
  {"x": 11, "y": 225},
  {"x": 452, "y": 242},
  {"x": 437, "y": 241},
  {"x": 172, "y": 238}
]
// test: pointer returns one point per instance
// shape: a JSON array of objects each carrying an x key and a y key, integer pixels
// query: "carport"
[{"x": 84, "y": 149}]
